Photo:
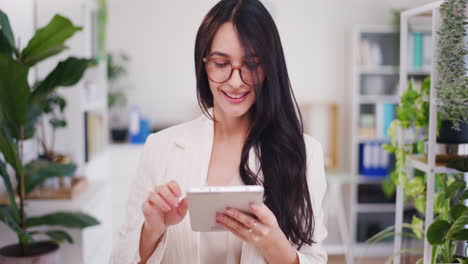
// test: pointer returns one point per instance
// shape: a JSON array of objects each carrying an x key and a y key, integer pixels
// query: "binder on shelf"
[
  {"x": 389, "y": 114},
  {"x": 374, "y": 161},
  {"x": 417, "y": 50}
]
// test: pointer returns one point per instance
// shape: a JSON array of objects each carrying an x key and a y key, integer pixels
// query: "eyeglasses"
[{"x": 220, "y": 70}]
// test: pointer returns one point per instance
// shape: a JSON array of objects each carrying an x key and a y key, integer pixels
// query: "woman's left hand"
[{"x": 262, "y": 230}]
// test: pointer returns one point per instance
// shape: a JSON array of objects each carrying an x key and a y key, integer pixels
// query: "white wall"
[{"x": 159, "y": 36}]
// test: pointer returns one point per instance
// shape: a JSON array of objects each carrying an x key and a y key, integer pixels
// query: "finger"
[
  {"x": 183, "y": 207},
  {"x": 263, "y": 213},
  {"x": 233, "y": 224},
  {"x": 174, "y": 187},
  {"x": 243, "y": 218},
  {"x": 250, "y": 222},
  {"x": 240, "y": 236},
  {"x": 159, "y": 202},
  {"x": 168, "y": 196}
]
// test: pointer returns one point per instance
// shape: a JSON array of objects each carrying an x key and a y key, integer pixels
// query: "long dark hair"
[{"x": 276, "y": 131}]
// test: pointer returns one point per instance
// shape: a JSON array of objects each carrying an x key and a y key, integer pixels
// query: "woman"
[{"x": 251, "y": 133}]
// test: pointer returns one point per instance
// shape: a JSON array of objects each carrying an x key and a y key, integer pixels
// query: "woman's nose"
[{"x": 236, "y": 80}]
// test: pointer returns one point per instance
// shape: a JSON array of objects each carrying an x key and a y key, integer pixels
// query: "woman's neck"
[{"x": 230, "y": 129}]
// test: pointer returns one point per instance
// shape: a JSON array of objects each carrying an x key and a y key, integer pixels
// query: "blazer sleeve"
[
  {"x": 126, "y": 247},
  {"x": 316, "y": 181}
]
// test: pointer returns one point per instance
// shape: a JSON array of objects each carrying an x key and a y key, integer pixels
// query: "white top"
[
  {"x": 222, "y": 246},
  {"x": 182, "y": 153}
]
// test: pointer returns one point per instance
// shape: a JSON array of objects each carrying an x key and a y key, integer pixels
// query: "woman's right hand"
[{"x": 162, "y": 207}]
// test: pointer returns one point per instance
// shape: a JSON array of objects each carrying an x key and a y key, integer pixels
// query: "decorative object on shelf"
[
  {"x": 116, "y": 97},
  {"x": 452, "y": 88},
  {"x": 21, "y": 107}
]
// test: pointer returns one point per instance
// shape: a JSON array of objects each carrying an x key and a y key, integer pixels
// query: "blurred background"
[{"x": 342, "y": 57}]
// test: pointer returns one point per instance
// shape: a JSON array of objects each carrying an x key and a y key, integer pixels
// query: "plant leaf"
[
  {"x": 437, "y": 231},
  {"x": 7, "y": 218},
  {"x": 37, "y": 171},
  {"x": 9, "y": 149},
  {"x": 65, "y": 219},
  {"x": 66, "y": 73},
  {"x": 14, "y": 90},
  {"x": 457, "y": 210},
  {"x": 455, "y": 187},
  {"x": 415, "y": 186},
  {"x": 9, "y": 189},
  {"x": 7, "y": 39},
  {"x": 48, "y": 40},
  {"x": 464, "y": 195},
  {"x": 56, "y": 235},
  {"x": 458, "y": 226}
]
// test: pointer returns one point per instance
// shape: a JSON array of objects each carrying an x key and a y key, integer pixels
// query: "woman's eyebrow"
[{"x": 222, "y": 54}]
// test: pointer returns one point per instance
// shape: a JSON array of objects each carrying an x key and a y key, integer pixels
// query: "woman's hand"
[
  {"x": 162, "y": 207},
  {"x": 261, "y": 230}
]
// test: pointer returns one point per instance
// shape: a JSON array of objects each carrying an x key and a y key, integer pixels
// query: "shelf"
[
  {"x": 382, "y": 69},
  {"x": 375, "y": 208},
  {"x": 372, "y": 180},
  {"x": 415, "y": 72},
  {"x": 420, "y": 162},
  {"x": 371, "y": 99}
]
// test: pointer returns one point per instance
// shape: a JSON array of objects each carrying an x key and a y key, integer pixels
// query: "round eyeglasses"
[{"x": 220, "y": 70}]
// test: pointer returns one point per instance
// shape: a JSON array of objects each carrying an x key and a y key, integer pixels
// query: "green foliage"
[
  {"x": 116, "y": 68},
  {"x": 452, "y": 88},
  {"x": 37, "y": 171},
  {"x": 64, "y": 219},
  {"x": 49, "y": 40},
  {"x": 20, "y": 107}
]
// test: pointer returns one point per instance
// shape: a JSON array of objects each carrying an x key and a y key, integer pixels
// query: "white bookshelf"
[
  {"x": 90, "y": 94},
  {"x": 428, "y": 165},
  {"x": 384, "y": 72}
]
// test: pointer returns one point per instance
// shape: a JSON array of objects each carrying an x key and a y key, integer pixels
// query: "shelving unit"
[
  {"x": 376, "y": 91},
  {"x": 89, "y": 96},
  {"x": 423, "y": 163}
]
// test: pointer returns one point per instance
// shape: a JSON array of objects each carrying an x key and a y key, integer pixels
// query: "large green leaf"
[
  {"x": 7, "y": 39},
  {"x": 66, "y": 73},
  {"x": 48, "y": 40},
  {"x": 56, "y": 235},
  {"x": 437, "y": 231},
  {"x": 65, "y": 219},
  {"x": 457, "y": 230},
  {"x": 37, "y": 171},
  {"x": 7, "y": 218},
  {"x": 14, "y": 90},
  {"x": 9, "y": 189}
]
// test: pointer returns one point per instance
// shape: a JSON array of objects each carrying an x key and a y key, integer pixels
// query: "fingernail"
[
  {"x": 167, "y": 207},
  {"x": 230, "y": 212},
  {"x": 253, "y": 207},
  {"x": 219, "y": 217}
]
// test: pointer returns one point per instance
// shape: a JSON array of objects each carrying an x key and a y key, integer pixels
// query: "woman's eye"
[{"x": 220, "y": 64}]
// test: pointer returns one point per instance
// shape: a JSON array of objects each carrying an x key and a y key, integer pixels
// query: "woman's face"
[{"x": 233, "y": 97}]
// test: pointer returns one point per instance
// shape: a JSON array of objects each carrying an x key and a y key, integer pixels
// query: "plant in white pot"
[{"x": 21, "y": 105}]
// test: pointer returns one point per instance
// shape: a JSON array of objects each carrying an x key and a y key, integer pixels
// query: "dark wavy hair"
[{"x": 276, "y": 131}]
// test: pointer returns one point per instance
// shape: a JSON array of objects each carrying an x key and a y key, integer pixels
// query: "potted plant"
[
  {"x": 117, "y": 98},
  {"x": 450, "y": 190},
  {"x": 20, "y": 107},
  {"x": 452, "y": 87}
]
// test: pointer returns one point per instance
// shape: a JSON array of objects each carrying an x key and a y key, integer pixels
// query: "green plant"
[
  {"x": 21, "y": 106},
  {"x": 115, "y": 70},
  {"x": 413, "y": 113},
  {"x": 452, "y": 88}
]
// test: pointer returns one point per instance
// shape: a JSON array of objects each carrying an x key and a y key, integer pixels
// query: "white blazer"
[{"x": 182, "y": 153}]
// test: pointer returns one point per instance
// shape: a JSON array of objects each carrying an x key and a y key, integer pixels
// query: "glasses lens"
[{"x": 218, "y": 70}]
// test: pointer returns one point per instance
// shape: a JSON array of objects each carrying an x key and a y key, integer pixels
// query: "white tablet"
[{"x": 203, "y": 203}]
